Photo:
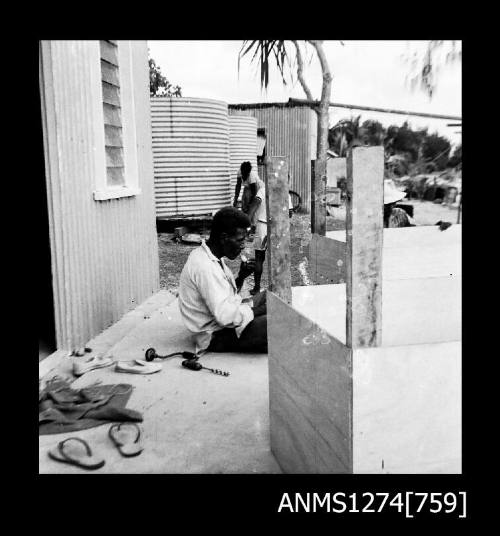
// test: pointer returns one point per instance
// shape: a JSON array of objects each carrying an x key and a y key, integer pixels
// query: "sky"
[{"x": 366, "y": 73}]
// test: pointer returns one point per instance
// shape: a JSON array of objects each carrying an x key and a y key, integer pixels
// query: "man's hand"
[{"x": 246, "y": 268}]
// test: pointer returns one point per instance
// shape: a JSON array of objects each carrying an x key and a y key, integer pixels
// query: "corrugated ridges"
[
  {"x": 289, "y": 132},
  {"x": 242, "y": 144},
  {"x": 104, "y": 254},
  {"x": 191, "y": 156}
]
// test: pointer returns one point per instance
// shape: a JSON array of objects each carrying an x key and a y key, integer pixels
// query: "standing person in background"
[
  {"x": 258, "y": 214},
  {"x": 251, "y": 183}
]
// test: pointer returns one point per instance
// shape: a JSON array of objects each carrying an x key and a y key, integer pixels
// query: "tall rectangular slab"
[
  {"x": 278, "y": 227},
  {"x": 310, "y": 394},
  {"x": 407, "y": 409},
  {"x": 327, "y": 259},
  {"x": 364, "y": 224}
]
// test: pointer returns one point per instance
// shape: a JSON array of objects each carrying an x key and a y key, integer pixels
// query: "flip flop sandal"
[
  {"x": 124, "y": 442},
  {"x": 84, "y": 460},
  {"x": 138, "y": 366},
  {"x": 96, "y": 362}
]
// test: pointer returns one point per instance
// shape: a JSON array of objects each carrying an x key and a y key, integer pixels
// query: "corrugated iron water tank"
[
  {"x": 242, "y": 144},
  {"x": 190, "y": 156}
]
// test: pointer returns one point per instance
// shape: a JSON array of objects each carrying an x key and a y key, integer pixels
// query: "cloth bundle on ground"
[{"x": 64, "y": 409}]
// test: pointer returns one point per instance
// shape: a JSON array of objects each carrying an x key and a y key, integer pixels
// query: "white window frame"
[{"x": 104, "y": 191}]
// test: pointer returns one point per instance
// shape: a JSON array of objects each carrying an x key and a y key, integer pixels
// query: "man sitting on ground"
[{"x": 210, "y": 305}]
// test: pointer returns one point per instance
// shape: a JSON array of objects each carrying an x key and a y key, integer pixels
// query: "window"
[
  {"x": 114, "y": 75},
  {"x": 113, "y": 131}
]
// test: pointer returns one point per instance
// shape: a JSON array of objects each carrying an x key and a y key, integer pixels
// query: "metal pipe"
[{"x": 373, "y": 109}]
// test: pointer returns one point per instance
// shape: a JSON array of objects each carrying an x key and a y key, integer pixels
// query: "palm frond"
[{"x": 263, "y": 50}]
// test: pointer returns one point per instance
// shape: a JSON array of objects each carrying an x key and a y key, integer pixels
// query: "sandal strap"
[
  {"x": 60, "y": 447},
  {"x": 118, "y": 425}
]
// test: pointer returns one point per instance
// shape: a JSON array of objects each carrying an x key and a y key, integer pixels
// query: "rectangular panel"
[
  {"x": 114, "y": 157},
  {"x": 112, "y": 115},
  {"x": 113, "y": 136},
  {"x": 413, "y": 237},
  {"x": 310, "y": 394},
  {"x": 407, "y": 409},
  {"x": 109, "y": 74},
  {"x": 278, "y": 227},
  {"x": 109, "y": 52},
  {"x": 420, "y": 261},
  {"x": 414, "y": 311},
  {"x": 110, "y": 94},
  {"x": 327, "y": 260},
  {"x": 423, "y": 310},
  {"x": 364, "y": 225},
  {"x": 404, "y": 260},
  {"x": 116, "y": 176}
]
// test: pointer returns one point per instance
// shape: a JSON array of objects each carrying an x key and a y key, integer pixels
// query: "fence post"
[
  {"x": 318, "y": 198},
  {"x": 313, "y": 204},
  {"x": 278, "y": 227},
  {"x": 364, "y": 224}
]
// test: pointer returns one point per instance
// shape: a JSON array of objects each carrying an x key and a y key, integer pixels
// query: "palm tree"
[
  {"x": 266, "y": 52},
  {"x": 345, "y": 133},
  {"x": 425, "y": 66},
  {"x": 373, "y": 132}
]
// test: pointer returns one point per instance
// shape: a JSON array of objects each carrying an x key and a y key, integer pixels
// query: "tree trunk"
[{"x": 319, "y": 224}]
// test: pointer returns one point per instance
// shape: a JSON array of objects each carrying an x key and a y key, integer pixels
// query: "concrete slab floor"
[
  {"x": 194, "y": 422},
  {"x": 60, "y": 363}
]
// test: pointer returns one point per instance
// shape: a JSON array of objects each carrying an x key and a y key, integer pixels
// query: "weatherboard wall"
[{"x": 104, "y": 253}]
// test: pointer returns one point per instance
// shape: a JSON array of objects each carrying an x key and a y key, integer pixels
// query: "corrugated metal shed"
[
  {"x": 191, "y": 156},
  {"x": 242, "y": 144},
  {"x": 290, "y": 131},
  {"x": 104, "y": 253}
]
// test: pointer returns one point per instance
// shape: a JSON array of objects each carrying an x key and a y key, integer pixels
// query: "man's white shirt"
[{"x": 208, "y": 298}]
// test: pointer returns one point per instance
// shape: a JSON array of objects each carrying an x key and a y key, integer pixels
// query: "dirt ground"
[{"x": 173, "y": 255}]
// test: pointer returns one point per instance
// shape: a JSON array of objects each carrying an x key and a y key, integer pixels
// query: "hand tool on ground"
[
  {"x": 151, "y": 354},
  {"x": 443, "y": 225},
  {"x": 192, "y": 364}
]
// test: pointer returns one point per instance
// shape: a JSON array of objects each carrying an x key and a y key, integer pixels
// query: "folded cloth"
[{"x": 63, "y": 409}]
